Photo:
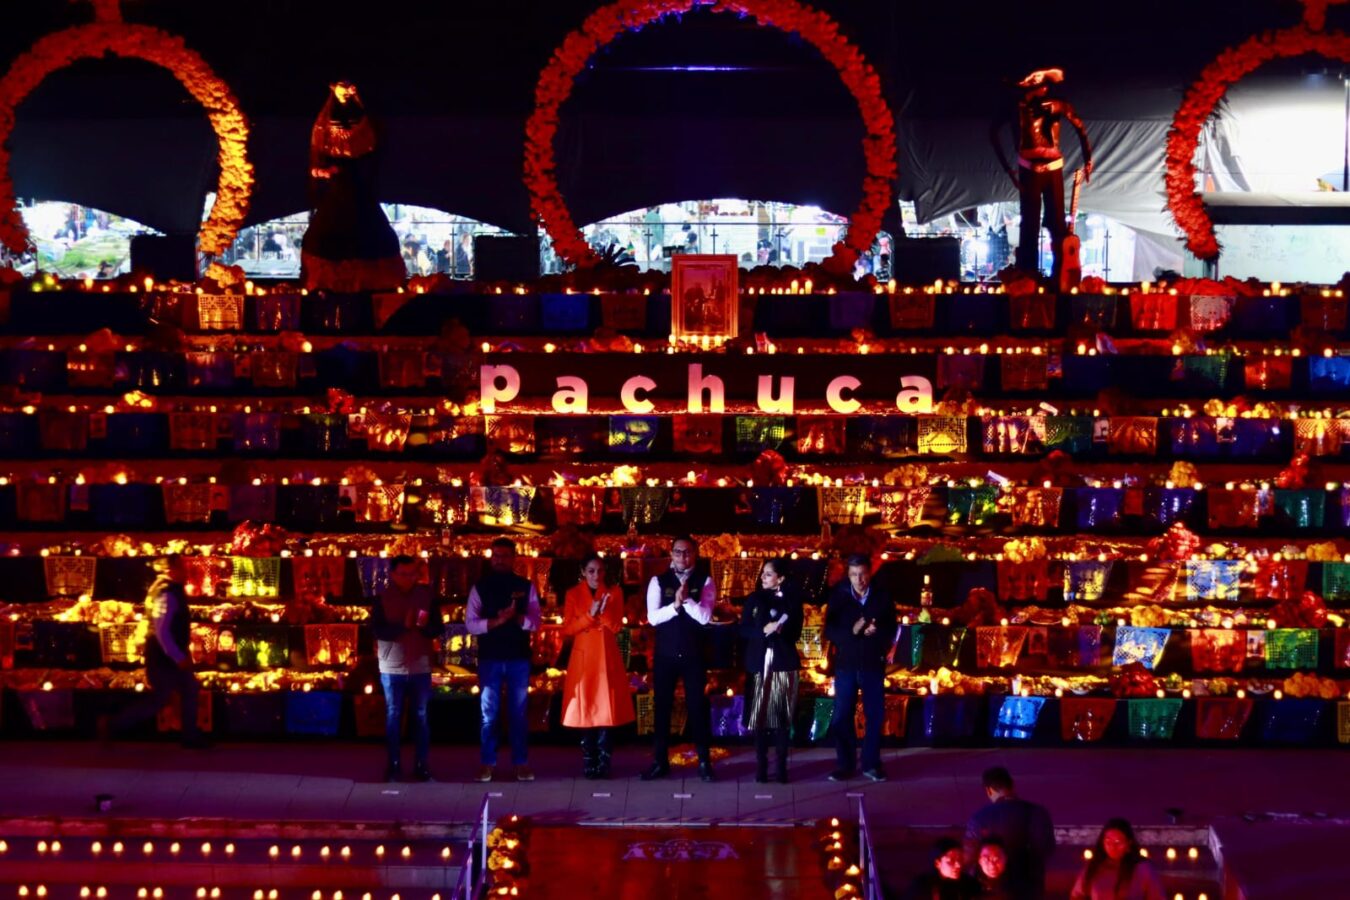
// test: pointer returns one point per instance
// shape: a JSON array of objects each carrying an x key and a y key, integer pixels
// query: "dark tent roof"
[{"x": 452, "y": 83}]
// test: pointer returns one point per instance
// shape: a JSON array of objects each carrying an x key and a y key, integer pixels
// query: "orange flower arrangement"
[
  {"x": 1183, "y": 200},
  {"x": 108, "y": 33},
  {"x": 608, "y": 22}
]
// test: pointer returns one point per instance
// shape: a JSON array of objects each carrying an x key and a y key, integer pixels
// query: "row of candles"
[
  {"x": 673, "y": 342},
  {"x": 792, "y": 553},
  {"x": 214, "y": 893},
  {"x": 48, "y": 848},
  {"x": 793, "y": 286},
  {"x": 135, "y": 402}
]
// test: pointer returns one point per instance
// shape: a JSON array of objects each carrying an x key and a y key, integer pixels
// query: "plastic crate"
[
  {"x": 313, "y": 712},
  {"x": 255, "y": 576},
  {"x": 123, "y": 643}
]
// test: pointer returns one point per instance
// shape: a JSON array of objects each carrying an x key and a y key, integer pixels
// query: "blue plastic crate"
[
  {"x": 313, "y": 712},
  {"x": 565, "y": 313}
]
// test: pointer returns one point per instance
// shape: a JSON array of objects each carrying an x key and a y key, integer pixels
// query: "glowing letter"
[
  {"x": 783, "y": 404},
  {"x": 571, "y": 396},
  {"x": 489, "y": 393},
  {"x": 916, "y": 394},
  {"x": 834, "y": 394},
  {"x": 698, "y": 383},
  {"x": 629, "y": 394}
]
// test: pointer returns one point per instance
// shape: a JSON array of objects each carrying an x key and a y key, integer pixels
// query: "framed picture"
[
  {"x": 632, "y": 570},
  {"x": 703, "y": 296}
]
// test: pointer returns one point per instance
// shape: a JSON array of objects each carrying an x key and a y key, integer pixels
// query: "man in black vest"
[
  {"x": 860, "y": 623},
  {"x": 503, "y": 611},
  {"x": 680, "y": 603},
  {"x": 168, "y": 658}
]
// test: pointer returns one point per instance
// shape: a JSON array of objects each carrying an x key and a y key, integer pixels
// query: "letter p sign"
[{"x": 497, "y": 384}]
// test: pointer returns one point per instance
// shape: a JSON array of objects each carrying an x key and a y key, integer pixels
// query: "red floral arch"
[
  {"x": 607, "y": 23},
  {"x": 109, "y": 34},
  {"x": 1199, "y": 103}
]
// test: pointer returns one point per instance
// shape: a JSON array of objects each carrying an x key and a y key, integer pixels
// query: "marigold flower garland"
[
  {"x": 1183, "y": 200},
  {"x": 109, "y": 34},
  {"x": 607, "y": 23}
]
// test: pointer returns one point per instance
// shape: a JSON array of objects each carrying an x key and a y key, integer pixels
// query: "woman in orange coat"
[{"x": 595, "y": 693}]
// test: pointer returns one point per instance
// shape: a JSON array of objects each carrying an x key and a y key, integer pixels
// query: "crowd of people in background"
[
  {"x": 423, "y": 253},
  {"x": 453, "y": 258}
]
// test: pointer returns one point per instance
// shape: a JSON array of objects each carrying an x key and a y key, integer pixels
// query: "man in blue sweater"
[
  {"x": 503, "y": 611},
  {"x": 860, "y": 623}
]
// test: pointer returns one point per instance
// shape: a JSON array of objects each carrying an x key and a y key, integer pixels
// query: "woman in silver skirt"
[{"x": 771, "y": 625}]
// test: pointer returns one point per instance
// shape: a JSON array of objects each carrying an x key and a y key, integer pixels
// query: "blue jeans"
[
  {"x": 396, "y": 687},
  {"x": 847, "y": 683},
  {"x": 516, "y": 674}
]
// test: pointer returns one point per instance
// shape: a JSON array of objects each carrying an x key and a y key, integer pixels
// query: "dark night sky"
[
  {"x": 453, "y": 81},
  {"x": 444, "y": 56}
]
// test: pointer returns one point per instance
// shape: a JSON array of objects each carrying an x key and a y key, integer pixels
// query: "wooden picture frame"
[{"x": 704, "y": 296}]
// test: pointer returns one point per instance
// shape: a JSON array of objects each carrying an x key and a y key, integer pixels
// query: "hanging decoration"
[
  {"x": 1202, "y": 98},
  {"x": 108, "y": 33},
  {"x": 607, "y": 23}
]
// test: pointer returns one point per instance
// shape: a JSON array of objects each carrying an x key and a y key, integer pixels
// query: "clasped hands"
[
  {"x": 864, "y": 627},
  {"x": 683, "y": 599},
  {"x": 597, "y": 609}
]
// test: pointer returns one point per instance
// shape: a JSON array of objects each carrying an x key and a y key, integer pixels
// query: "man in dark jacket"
[
  {"x": 168, "y": 657},
  {"x": 680, "y": 603},
  {"x": 1024, "y": 828},
  {"x": 860, "y": 624},
  {"x": 503, "y": 611},
  {"x": 405, "y": 622}
]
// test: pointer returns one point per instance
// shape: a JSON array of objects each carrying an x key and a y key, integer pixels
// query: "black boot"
[
  {"x": 589, "y": 752},
  {"x": 782, "y": 736},
  {"x": 603, "y": 751},
  {"x": 761, "y": 755}
]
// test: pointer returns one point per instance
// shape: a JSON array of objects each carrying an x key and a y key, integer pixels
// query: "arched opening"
[
  {"x": 432, "y": 241},
  {"x": 757, "y": 232},
  {"x": 72, "y": 240}
]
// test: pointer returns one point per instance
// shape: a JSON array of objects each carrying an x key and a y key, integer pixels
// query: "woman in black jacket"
[{"x": 771, "y": 625}]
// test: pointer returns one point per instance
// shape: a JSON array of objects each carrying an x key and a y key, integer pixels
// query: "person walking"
[
  {"x": 595, "y": 691},
  {"x": 406, "y": 620},
  {"x": 679, "y": 604},
  {"x": 168, "y": 657},
  {"x": 503, "y": 611},
  {"x": 1022, "y": 827},
  {"x": 860, "y": 624},
  {"x": 771, "y": 624}
]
